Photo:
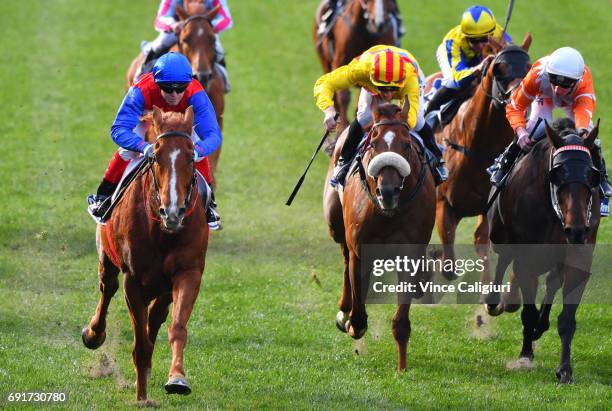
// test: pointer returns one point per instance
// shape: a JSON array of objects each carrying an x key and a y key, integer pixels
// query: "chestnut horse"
[
  {"x": 197, "y": 42},
  {"x": 551, "y": 197},
  {"x": 395, "y": 205},
  {"x": 478, "y": 133},
  {"x": 359, "y": 25},
  {"x": 157, "y": 236}
]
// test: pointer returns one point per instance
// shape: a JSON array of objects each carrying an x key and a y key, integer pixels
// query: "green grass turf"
[{"x": 262, "y": 333}]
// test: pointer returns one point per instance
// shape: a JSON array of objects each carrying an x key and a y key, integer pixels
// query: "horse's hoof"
[
  {"x": 92, "y": 342},
  {"x": 341, "y": 319},
  {"x": 177, "y": 384},
  {"x": 494, "y": 309},
  {"x": 511, "y": 308},
  {"x": 355, "y": 334},
  {"x": 564, "y": 376}
]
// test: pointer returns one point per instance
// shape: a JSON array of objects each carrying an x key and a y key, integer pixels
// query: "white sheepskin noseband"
[{"x": 388, "y": 159}]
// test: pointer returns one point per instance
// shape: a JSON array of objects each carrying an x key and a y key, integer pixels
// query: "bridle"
[
  {"x": 364, "y": 179},
  {"x": 569, "y": 157},
  {"x": 186, "y": 23},
  {"x": 190, "y": 190},
  {"x": 499, "y": 95}
]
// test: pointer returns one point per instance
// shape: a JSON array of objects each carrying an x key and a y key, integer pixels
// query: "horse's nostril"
[
  {"x": 162, "y": 211},
  {"x": 396, "y": 190},
  {"x": 182, "y": 211},
  {"x": 377, "y": 191}
]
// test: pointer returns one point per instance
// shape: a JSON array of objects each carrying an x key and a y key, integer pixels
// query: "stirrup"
[
  {"x": 213, "y": 218},
  {"x": 97, "y": 207},
  {"x": 339, "y": 174}
]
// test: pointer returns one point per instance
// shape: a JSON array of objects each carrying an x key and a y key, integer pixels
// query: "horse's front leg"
[
  {"x": 573, "y": 287},
  {"x": 553, "y": 283},
  {"x": 447, "y": 221},
  {"x": 158, "y": 312},
  {"x": 529, "y": 315},
  {"x": 357, "y": 323},
  {"x": 345, "y": 303},
  {"x": 185, "y": 289},
  {"x": 482, "y": 245},
  {"x": 493, "y": 304},
  {"x": 143, "y": 348},
  {"x": 94, "y": 333},
  {"x": 400, "y": 326}
]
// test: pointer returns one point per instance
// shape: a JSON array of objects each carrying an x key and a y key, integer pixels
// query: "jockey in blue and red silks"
[
  {"x": 168, "y": 26},
  {"x": 170, "y": 87}
]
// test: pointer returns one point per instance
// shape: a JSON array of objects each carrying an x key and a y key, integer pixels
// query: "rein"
[
  {"x": 364, "y": 178},
  {"x": 151, "y": 160}
]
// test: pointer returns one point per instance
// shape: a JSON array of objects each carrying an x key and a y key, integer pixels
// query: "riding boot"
[
  {"x": 600, "y": 163},
  {"x": 401, "y": 30},
  {"x": 355, "y": 133},
  {"x": 439, "y": 171},
  {"x": 442, "y": 96},
  {"x": 212, "y": 216},
  {"x": 97, "y": 203},
  {"x": 327, "y": 17},
  {"x": 503, "y": 164}
]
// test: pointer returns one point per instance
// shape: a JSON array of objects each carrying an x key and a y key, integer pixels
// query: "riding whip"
[
  {"x": 301, "y": 180},
  {"x": 508, "y": 15}
]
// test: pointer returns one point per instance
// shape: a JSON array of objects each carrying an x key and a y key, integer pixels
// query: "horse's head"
[
  {"x": 197, "y": 39},
  {"x": 509, "y": 67},
  {"x": 573, "y": 177},
  {"x": 376, "y": 14},
  {"x": 390, "y": 150},
  {"x": 172, "y": 165}
]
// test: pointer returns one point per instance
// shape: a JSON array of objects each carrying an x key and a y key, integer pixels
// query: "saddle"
[
  {"x": 450, "y": 109},
  {"x": 132, "y": 171}
]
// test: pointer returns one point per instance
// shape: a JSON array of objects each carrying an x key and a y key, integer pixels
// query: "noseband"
[
  {"x": 566, "y": 164},
  {"x": 364, "y": 179},
  {"x": 152, "y": 160}
]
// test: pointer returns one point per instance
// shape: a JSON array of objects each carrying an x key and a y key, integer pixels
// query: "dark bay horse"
[
  {"x": 359, "y": 25},
  {"x": 397, "y": 206},
  {"x": 157, "y": 236},
  {"x": 551, "y": 197},
  {"x": 477, "y": 134},
  {"x": 197, "y": 42}
]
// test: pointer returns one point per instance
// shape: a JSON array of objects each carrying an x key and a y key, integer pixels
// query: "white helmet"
[{"x": 566, "y": 62}]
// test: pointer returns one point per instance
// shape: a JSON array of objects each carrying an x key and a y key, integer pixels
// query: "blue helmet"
[{"x": 172, "y": 68}]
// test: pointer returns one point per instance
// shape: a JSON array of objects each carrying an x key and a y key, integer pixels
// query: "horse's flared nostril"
[
  {"x": 162, "y": 211},
  {"x": 576, "y": 235},
  {"x": 181, "y": 212}
]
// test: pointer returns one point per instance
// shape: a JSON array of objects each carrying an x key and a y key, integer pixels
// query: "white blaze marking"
[
  {"x": 378, "y": 13},
  {"x": 173, "y": 193},
  {"x": 200, "y": 32},
  {"x": 389, "y": 136}
]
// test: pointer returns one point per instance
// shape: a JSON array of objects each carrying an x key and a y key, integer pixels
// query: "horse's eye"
[
  {"x": 372, "y": 144},
  {"x": 406, "y": 145}
]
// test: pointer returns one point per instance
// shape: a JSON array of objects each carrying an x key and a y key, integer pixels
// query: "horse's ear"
[
  {"x": 589, "y": 140},
  {"x": 495, "y": 45},
  {"x": 374, "y": 108},
  {"x": 189, "y": 116},
  {"x": 213, "y": 13},
  {"x": 157, "y": 115},
  {"x": 552, "y": 136},
  {"x": 181, "y": 13},
  {"x": 405, "y": 109},
  {"x": 526, "y": 41}
]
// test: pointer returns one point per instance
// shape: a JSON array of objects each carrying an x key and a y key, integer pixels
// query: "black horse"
[{"x": 546, "y": 220}]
